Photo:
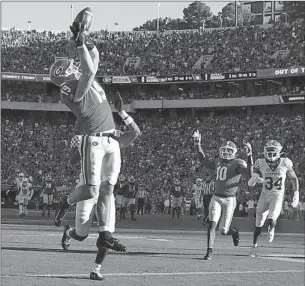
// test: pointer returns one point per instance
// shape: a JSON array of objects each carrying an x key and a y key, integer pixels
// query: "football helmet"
[
  {"x": 272, "y": 150},
  {"x": 21, "y": 175},
  {"x": 131, "y": 179},
  {"x": 122, "y": 178},
  {"x": 24, "y": 182},
  {"x": 63, "y": 69},
  {"x": 228, "y": 150},
  {"x": 198, "y": 182},
  {"x": 177, "y": 182},
  {"x": 48, "y": 178}
]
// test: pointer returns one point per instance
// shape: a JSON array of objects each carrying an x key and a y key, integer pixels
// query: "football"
[{"x": 85, "y": 17}]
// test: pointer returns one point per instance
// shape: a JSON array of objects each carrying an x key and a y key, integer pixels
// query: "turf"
[{"x": 32, "y": 255}]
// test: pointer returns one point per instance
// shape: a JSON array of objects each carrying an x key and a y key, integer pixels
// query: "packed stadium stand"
[
  {"x": 36, "y": 141},
  {"x": 241, "y": 49}
]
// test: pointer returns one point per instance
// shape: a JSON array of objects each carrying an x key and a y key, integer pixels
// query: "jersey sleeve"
[
  {"x": 288, "y": 163},
  {"x": 68, "y": 88}
]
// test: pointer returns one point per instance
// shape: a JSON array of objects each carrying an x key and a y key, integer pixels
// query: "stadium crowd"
[
  {"x": 240, "y": 49},
  {"x": 36, "y": 145}
]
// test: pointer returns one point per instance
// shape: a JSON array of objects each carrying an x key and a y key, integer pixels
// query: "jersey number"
[
  {"x": 270, "y": 183},
  {"x": 221, "y": 173},
  {"x": 66, "y": 90},
  {"x": 25, "y": 191}
]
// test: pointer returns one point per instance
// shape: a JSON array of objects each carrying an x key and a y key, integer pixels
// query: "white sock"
[
  {"x": 97, "y": 267},
  {"x": 68, "y": 233}
]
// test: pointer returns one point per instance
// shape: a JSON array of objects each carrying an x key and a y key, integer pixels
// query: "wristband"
[
  {"x": 123, "y": 114},
  {"x": 128, "y": 120}
]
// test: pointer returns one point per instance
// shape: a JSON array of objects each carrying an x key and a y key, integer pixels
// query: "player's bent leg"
[
  {"x": 106, "y": 213},
  {"x": 229, "y": 205},
  {"x": 211, "y": 239},
  {"x": 214, "y": 216},
  {"x": 274, "y": 212},
  {"x": 261, "y": 215},
  {"x": 83, "y": 219}
]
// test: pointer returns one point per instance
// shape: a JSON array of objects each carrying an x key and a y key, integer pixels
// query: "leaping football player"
[
  {"x": 86, "y": 209},
  {"x": 229, "y": 170},
  {"x": 271, "y": 171},
  {"x": 99, "y": 150}
]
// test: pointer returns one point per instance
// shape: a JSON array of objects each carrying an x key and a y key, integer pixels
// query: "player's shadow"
[{"x": 128, "y": 253}]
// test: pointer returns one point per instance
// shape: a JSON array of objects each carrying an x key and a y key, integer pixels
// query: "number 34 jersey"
[{"x": 274, "y": 179}]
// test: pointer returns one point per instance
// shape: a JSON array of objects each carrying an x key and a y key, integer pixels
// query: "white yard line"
[{"x": 157, "y": 274}]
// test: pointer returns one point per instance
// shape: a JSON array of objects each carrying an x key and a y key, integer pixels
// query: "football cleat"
[
  {"x": 66, "y": 241},
  {"x": 96, "y": 276},
  {"x": 235, "y": 236},
  {"x": 111, "y": 243},
  {"x": 208, "y": 256},
  {"x": 253, "y": 252},
  {"x": 61, "y": 211},
  {"x": 270, "y": 234}
]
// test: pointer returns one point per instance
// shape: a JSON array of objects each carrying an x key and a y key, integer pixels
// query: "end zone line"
[{"x": 154, "y": 274}]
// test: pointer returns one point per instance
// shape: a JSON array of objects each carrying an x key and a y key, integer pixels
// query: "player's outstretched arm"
[
  {"x": 295, "y": 187},
  {"x": 247, "y": 168},
  {"x": 134, "y": 131},
  {"x": 204, "y": 160},
  {"x": 89, "y": 65}
]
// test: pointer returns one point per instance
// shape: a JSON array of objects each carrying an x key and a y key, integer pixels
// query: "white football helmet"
[
  {"x": 228, "y": 150},
  {"x": 198, "y": 182},
  {"x": 64, "y": 69},
  {"x": 24, "y": 182},
  {"x": 272, "y": 150}
]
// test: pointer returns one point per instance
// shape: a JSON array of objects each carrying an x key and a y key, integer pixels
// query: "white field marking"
[
  {"x": 159, "y": 239},
  {"x": 156, "y": 274},
  {"x": 284, "y": 259},
  {"x": 288, "y": 255}
]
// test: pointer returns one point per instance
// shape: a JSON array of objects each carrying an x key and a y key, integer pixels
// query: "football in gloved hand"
[{"x": 84, "y": 19}]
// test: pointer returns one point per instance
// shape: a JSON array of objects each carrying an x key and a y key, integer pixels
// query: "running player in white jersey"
[
  {"x": 25, "y": 193},
  {"x": 197, "y": 188},
  {"x": 271, "y": 171}
]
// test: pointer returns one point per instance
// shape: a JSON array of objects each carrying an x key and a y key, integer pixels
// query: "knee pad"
[{"x": 77, "y": 237}]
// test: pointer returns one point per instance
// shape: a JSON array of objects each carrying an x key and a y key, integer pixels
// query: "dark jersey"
[
  {"x": 119, "y": 188},
  {"x": 93, "y": 112},
  {"x": 132, "y": 190},
  {"x": 228, "y": 174},
  {"x": 176, "y": 191},
  {"x": 49, "y": 188}
]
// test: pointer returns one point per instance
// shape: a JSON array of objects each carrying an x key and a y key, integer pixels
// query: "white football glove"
[
  {"x": 254, "y": 180},
  {"x": 197, "y": 137},
  {"x": 295, "y": 200},
  {"x": 248, "y": 148}
]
